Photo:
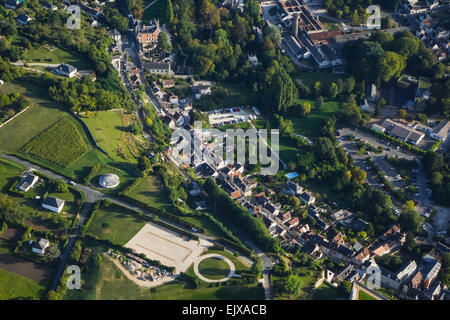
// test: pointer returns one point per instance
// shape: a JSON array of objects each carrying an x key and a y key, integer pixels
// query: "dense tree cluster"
[
  {"x": 384, "y": 57},
  {"x": 228, "y": 208},
  {"x": 355, "y": 10},
  {"x": 438, "y": 170}
]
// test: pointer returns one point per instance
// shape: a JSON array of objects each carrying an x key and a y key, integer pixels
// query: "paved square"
[{"x": 169, "y": 247}]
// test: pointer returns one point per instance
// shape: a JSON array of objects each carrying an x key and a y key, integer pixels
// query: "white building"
[
  {"x": 441, "y": 130},
  {"x": 53, "y": 204}
]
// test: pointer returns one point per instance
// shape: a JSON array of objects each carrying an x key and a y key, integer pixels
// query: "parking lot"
[
  {"x": 223, "y": 117},
  {"x": 168, "y": 247}
]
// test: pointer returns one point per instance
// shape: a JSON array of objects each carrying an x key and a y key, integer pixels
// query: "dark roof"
[
  {"x": 347, "y": 252},
  {"x": 53, "y": 202},
  {"x": 360, "y": 225},
  {"x": 66, "y": 68}
]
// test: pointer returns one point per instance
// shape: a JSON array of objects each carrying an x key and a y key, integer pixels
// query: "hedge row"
[
  {"x": 395, "y": 141},
  {"x": 236, "y": 246},
  {"x": 170, "y": 227},
  {"x": 161, "y": 213}
]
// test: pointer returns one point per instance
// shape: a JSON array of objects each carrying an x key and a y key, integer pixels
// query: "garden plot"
[{"x": 168, "y": 247}]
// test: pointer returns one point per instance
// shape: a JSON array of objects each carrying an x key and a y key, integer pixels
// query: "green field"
[
  {"x": 327, "y": 292},
  {"x": 124, "y": 224},
  {"x": 364, "y": 296},
  {"x": 156, "y": 11},
  {"x": 325, "y": 78},
  {"x": 57, "y": 56},
  {"x": 9, "y": 172},
  {"x": 61, "y": 144},
  {"x": 14, "y": 286},
  {"x": 213, "y": 268},
  {"x": 151, "y": 191},
  {"x": 111, "y": 133},
  {"x": 310, "y": 125}
]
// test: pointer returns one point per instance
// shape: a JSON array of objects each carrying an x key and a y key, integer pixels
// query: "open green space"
[
  {"x": 9, "y": 171},
  {"x": 115, "y": 223},
  {"x": 327, "y": 292},
  {"x": 310, "y": 125},
  {"x": 14, "y": 286},
  {"x": 109, "y": 283},
  {"x": 362, "y": 295},
  {"x": 61, "y": 144},
  {"x": 325, "y": 78},
  {"x": 155, "y": 11},
  {"x": 213, "y": 268},
  {"x": 151, "y": 191},
  {"x": 56, "y": 56},
  {"x": 111, "y": 132}
]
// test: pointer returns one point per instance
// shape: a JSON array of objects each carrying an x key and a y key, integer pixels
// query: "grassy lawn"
[
  {"x": 325, "y": 78},
  {"x": 156, "y": 11},
  {"x": 14, "y": 286},
  {"x": 151, "y": 191},
  {"x": 9, "y": 172},
  {"x": 213, "y": 268},
  {"x": 57, "y": 56},
  {"x": 124, "y": 224},
  {"x": 109, "y": 283},
  {"x": 110, "y": 130},
  {"x": 310, "y": 125},
  {"x": 61, "y": 144},
  {"x": 362, "y": 295},
  {"x": 327, "y": 292}
]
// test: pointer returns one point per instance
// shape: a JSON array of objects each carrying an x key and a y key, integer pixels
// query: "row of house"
[{"x": 413, "y": 132}]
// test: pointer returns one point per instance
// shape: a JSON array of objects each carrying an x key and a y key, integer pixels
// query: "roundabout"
[{"x": 213, "y": 266}]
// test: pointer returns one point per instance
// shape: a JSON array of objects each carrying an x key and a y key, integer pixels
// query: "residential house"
[
  {"x": 13, "y": 4},
  {"x": 23, "y": 19},
  {"x": 40, "y": 245},
  {"x": 48, "y": 6},
  {"x": 161, "y": 68},
  {"x": 360, "y": 225},
  {"x": 147, "y": 34},
  {"x": 27, "y": 182},
  {"x": 253, "y": 59},
  {"x": 65, "y": 70},
  {"x": 307, "y": 198},
  {"x": 341, "y": 215},
  {"x": 430, "y": 271},
  {"x": 53, "y": 204},
  {"x": 205, "y": 170},
  {"x": 441, "y": 131},
  {"x": 292, "y": 189},
  {"x": 293, "y": 222}
]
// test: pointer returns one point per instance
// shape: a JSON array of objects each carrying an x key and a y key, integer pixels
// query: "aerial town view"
[{"x": 225, "y": 150}]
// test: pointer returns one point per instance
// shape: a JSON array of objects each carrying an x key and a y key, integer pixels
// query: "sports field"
[{"x": 167, "y": 246}]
